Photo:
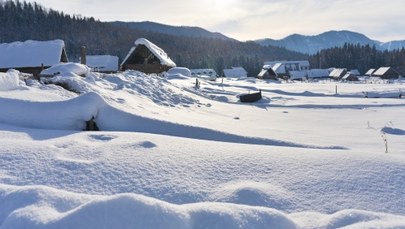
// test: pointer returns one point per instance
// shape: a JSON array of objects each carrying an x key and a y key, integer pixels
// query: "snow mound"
[
  {"x": 179, "y": 71},
  {"x": 9, "y": 80},
  {"x": 40, "y": 207},
  {"x": 254, "y": 194},
  {"x": 65, "y": 115},
  {"x": 67, "y": 69}
]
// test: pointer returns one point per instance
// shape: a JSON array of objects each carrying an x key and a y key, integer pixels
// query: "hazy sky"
[{"x": 382, "y": 20}]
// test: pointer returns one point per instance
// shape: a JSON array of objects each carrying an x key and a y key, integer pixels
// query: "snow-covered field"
[{"x": 170, "y": 155}]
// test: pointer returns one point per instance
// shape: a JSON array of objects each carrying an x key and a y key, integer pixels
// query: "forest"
[{"x": 20, "y": 21}]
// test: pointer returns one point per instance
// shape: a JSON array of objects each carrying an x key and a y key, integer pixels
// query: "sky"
[{"x": 252, "y": 19}]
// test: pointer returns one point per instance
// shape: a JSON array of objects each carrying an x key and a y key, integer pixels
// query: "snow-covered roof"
[
  {"x": 370, "y": 72},
  {"x": 355, "y": 72},
  {"x": 31, "y": 53},
  {"x": 157, "y": 51},
  {"x": 236, "y": 72},
  {"x": 338, "y": 72},
  {"x": 381, "y": 71},
  {"x": 103, "y": 63}
]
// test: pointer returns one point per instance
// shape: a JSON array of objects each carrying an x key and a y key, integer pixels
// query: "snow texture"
[
  {"x": 31, "y": 53},
  {"x": 170, "y": 155}
]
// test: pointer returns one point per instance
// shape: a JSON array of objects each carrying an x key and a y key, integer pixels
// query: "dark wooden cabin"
[
  {"x": 147, "y": 57},
  {"x": 386, "y": 73}
]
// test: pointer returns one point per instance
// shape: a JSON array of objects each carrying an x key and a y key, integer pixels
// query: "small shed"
[
  {"x": 32, "y": 56},
  {"x": 235, "y": 72},
  {"x": 386, "y": 73},
  {"x": 267, "y": 73},
  {"x": 147, "y": 57},
  {"x": 338, "y": 73},
  {"x": 103, "y": 63}
]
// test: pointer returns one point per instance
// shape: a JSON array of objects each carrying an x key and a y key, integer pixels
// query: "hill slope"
[
  {"x": 186, "y": 31},
  {"x": 313, "y": 44}
]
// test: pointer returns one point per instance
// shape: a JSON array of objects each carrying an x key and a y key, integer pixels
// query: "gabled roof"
[
  {"x": 157, "y": 51},
  {"x": 32, "y": 54},
  {"x": 370, "y": 72},
  {"x": 338, "y": 72},
  {"x": 381, "y": 71}
]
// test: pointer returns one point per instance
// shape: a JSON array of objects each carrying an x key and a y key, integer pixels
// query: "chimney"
[{"x": 83, "y": 54}]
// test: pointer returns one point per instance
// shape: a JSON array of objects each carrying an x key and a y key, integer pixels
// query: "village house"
[
  {"x": 283, "y": 68},
  {"x": 267, "y": 73},
  {"x": 386, "y": 73},
  {"x": 32, "y": 56},
  {"x": 147, "y": 57},
  {"x": 338, "y": 73}
]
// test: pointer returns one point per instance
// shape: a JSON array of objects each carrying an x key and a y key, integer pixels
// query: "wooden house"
[
  {"x": 147, "y": 57},
  {"x": 386, "y": 73},
  {"x": 338, "y": 73},
  {"x": 31, "y": 56},
  {"x": 267, "y": 72}
]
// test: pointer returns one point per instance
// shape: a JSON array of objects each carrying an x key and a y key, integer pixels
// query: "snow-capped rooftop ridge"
[{"x": 157, "y": 51}]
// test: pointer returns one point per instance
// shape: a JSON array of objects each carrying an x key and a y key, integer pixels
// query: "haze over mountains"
[
  {"x": 313, "y": 44},
  {"x": 296, "y": 42}
]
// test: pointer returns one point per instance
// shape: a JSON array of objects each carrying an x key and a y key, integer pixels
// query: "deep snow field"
[{"x": 170, "y": 155}]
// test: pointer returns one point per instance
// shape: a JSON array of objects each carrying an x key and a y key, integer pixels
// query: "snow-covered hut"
[
  {"x": 103, "y": 63},
  {"x": 386, "y": 73},
  {"x": 338, "y": 73},
  {"x": 350, "y": 76},
  {"x": 267, "y": 73},
  {"x": 31, "y": 56},
  {"x": 235, "y": 72},
  {"x": 147, "y": 57}
]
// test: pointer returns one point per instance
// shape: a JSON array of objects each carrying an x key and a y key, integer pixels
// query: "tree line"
[
  {"x": 355, "y": 56},
  {"x": 21, "y": 21}
]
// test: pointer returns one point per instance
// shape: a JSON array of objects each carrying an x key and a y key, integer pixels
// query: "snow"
[
  {"x": 67, "y": 69},
  {"x": 30, "y": 53},
  {"x": 170, "y": 155},
  {"x": 103, "y": 63},
  {"x": 235, "y": 72},
  {"x": 179, "y": 71},
  {"x": 9, "y": 80},
  {"x": 157, "y": 51}
]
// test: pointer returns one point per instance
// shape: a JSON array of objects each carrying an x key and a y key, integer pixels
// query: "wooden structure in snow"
[
  {"x": 147, "y": 57},
  {"x": 251, "y": 97},
  {"x": 31, "y": 56},
  {"x": 386, "y": 73}
]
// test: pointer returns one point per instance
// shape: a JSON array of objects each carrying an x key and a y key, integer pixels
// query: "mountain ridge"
[
  {"x": 188, "y": 31},
  {"x": 311, "y": 44}
]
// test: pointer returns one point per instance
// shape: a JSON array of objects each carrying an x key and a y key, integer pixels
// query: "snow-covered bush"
[
  {"x": 67, "y": 69},
  {"x": 9, "y": 80}
]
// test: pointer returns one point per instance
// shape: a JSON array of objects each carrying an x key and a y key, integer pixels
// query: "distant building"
[
  {"x": 32, "y": 56},
  {"x": 267, "y": 73},
  {"x": 370, "y": 72},
  {"x": 386, "y": 73},
  {"x": 207, "y": 73},
  {"x": 103, "y": 63},
  {"x": 282, "y": 68},
  {"x": 235, "y": 72},
  {"x": 338, "y": 73},
  {"x": 147, "y": 57}
]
